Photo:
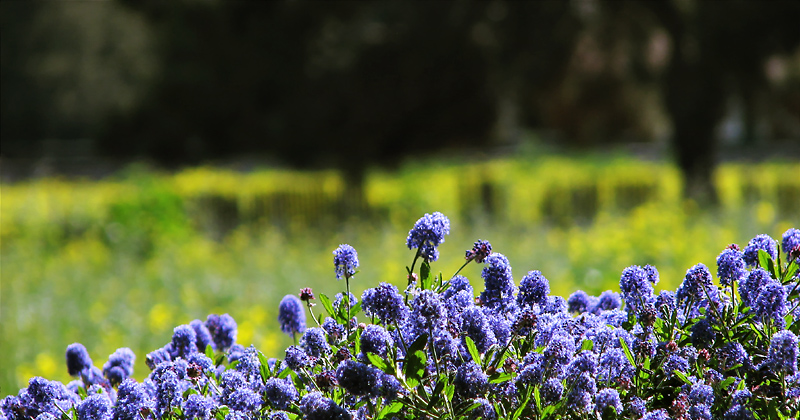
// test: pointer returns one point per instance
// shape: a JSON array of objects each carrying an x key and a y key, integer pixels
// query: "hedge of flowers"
[{"x": 436, "y": 350}]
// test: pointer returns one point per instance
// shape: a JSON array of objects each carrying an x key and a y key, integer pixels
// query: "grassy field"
[{"x": 120, "y": 262}]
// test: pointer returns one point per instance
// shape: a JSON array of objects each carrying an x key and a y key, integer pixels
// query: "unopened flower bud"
[{"x": 306, "y": 294}]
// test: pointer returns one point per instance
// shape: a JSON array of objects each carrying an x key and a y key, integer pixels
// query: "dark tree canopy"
[{"x": 352, "y": 84}]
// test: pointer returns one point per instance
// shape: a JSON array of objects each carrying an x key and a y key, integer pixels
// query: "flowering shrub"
[{"x": 435, "y": 350}]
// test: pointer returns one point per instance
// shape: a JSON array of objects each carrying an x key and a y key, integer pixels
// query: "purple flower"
[
  {"x": 675, "y": 362},
  {"x": 783, "y": 352},
  {"x": 222, "y": 329},
  {"x": 635, "y": 287},
  {"x": 652, "y": 274},
  {"x": 315, "y": 343},
  {"x": 560, "y": 349},
  {"x": 358, "y": 378},
  {"x": 499, "y": 291},
  {"x": 485, "y": 411},
  {"x": 158, "y": 356},
  {"x": 475, "y": 325},
  {"x": 345, "y": 261},
  {"x": 244, "y": 400},
  {"x": 607, "y": 301},
  {"x": 168, "y": 389},
  {"x": 77, "y": 359},
  {"x": 552, "y": 390},
  {"x": 659, "y": 414},
  {"x": 121, "y": 363},
  {"x": 202, "y": 334},
  {"x": 385, "y": 302},
  {"x": 791, "y": 240},
  {"x": 771, "y": 302},
  {"x": 738, "y": 412},
  {"x": 316, "y": 407},
  {"x": 760, "y": 242},
  {"x": 479, "y": 251},
  {"x": 339, "y": 298},
  {"x": 376, "y": 340},
  {"x": 184, "y": 341},
  {"x": 292, "y": 315},
  {"x": 607, "y": 399},
  {"x": 132, "y": 398},
  {"x": 579, "y": 302},
  {"x": 296, "y": 358},
  {"x": 701, "y": 394},
  {"x": 637, "y": 407},
  {"x": 428, "y": 311},
  {"x": 703, "y": 334},
  {"x": 730, "y": 266},
  {"x": 533, "y": 289},
  {"x": 95, "y": 407},
  {"x": 614, "y": 365},
  {"x": 579, "y": 398},
  {"x": 700, "y": 412},
  {"x": 334, "y": 329},
  {"x": 583, "y": 362},
  {"x": 280, "y": 393},
  {"x": 427, "y": 234},
  {"x": 751, "y": 286},
  {"x": 555, "y": 305},
  {"x": 457, "y": 284},
  {"x": 470, "y": 381},
  {"x": 697, "y": 285},
  {"x": 198, "y": 406}
]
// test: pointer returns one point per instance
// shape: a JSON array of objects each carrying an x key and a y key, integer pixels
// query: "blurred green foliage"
[{"x": 121, "y": 262}]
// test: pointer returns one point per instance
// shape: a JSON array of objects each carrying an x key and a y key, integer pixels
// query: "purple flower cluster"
[
  {"x": 345, "y": 261},
  {"x": 427, "y": 234},
  {"x": 696, "y": 353}
]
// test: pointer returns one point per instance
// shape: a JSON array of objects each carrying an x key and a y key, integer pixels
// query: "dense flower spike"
[
  {"x": 479, "y": 251},
  {"x": 384, "y": 302},
  {"x": 315, "y": 343},
  {"x": 223, "y": 330},
  {"x": 730, "y": 266},
  {"x": 471, "y": 381},
  {"x": 700, "y": 353},
  {"x": 345, "y": 261},
  {"x": 791, "y": 243},
  {"x": 77, "y": 359},
  {"x": 119, "y": 365},
  {"x": 499, "y": 285},
  {"x": 783, "y": 353},
  {"x": 760, "y": 242},
  {"x": 533, "y": 289},
  {"x": 427, "y": 234},
  {"x": 636, "y": 288},
  {"x": 292, "y": 315}
]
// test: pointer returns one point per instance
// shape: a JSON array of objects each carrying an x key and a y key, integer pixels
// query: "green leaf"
[
  {"x": 222, "y": 411},
  {"x": 355, "y": 309},
  {"x": 587, "y": 345},
  {"x": 627, "y": 351},
  {"x": 766, "y": 262},
  {"x": 326, "y": 303},
  {"x": 389, "y": 410},
  {"x": 682, "y": 376},
  {"x": 265, "y": 372},
  {"x": 284, "y": 373},
  {"x": 189, "y": 391},
  {"x": 473, "y": 350},
  {"x": 500, "y": 377},
  {"x": 727, "y": 382},
  {"x": 380, "y": 363},
  {"x": 416, "y": 361},
  {"x": 209, "y": 352},
  {"x": 791, "y": 270},
  {"x": 425, "y": 275}
]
